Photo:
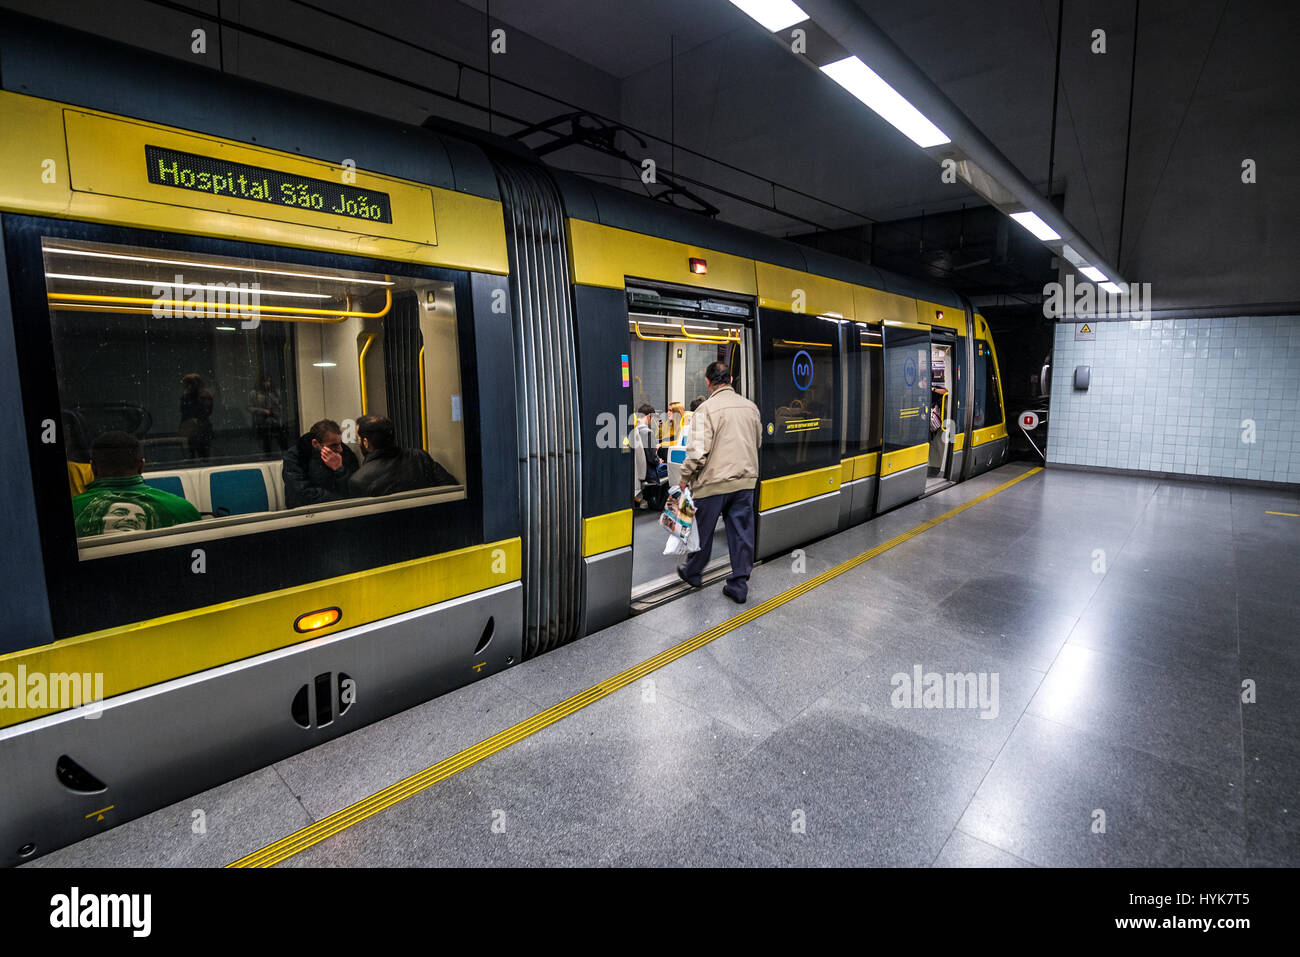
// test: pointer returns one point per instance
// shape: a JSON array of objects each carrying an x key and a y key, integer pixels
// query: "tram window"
[
  {"x": 988, "y": 409},
  {"x": 215, "y": 369},
  {"x": 799, "y": 392},
  {"x": 667, "y": 359},
  {"x": 907, "y": 385},
  {"x": 957, "y": 410},
  {"x": 649, "y": 367},
  {"x": 870, "y": 418}
]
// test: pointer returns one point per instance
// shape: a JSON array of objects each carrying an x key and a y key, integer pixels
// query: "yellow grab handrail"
[
  {"x": 361, "y": 371},
  {"x": 424, "y": 409}
]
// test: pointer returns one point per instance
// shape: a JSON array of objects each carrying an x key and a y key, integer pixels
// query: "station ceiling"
[{"x": 1213, "y": 84}]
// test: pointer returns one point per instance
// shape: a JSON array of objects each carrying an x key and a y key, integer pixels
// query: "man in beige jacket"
[{"x": 721, "y": 469}]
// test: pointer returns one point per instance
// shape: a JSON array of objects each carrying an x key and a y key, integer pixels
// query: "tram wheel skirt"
[{"x": 149, "y": 748}]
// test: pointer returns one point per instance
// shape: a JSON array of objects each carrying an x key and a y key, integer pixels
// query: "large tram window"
[
  {"x": 799, "y": 408},
  {"x": 988, "y": 408},
  {"x": 219, "y": 367}
]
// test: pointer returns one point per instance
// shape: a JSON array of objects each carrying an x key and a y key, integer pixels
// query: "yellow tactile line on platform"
[{"x": 341, "y": 820}]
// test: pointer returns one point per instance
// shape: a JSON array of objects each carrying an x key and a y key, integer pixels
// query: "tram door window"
[
  {"x": 219, "y": 366},
  {"x": 988, "y": 407},
  {"x": 867, "y": 420},
  {"x": 800, "y": 402},
  {"x": 907, "y": 388}
]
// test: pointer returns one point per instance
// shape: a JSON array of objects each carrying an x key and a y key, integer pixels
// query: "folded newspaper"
[{"x": 679, "y": 518}]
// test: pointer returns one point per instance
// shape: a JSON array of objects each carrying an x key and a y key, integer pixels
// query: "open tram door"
[
  {"x": 945, "y": 412},
  {"x": 673, "y": 334}
]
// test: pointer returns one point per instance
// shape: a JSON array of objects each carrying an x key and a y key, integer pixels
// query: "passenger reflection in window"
[
  {"x": 119, "y": 500},
  {"x": 264, "y": 410},
  {"x": 389, "y": 468},
  {"x": 196, "y": 416}
]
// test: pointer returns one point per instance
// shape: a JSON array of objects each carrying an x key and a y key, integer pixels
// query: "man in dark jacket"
[
  {"x": 318, "y": 467},
  {"x": 389, "y": 468}
]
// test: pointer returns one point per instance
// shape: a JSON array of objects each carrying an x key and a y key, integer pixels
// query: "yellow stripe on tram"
[{"x": 408, "y": 787}]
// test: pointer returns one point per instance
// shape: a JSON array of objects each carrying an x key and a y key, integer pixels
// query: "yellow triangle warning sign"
[{"x": 1086, "y": 328}]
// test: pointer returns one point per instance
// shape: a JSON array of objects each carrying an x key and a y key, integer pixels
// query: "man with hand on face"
[{"x": 318, "y": 467}]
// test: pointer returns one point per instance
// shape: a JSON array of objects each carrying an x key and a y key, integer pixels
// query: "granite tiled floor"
[{"x": 1120, "y": 617}]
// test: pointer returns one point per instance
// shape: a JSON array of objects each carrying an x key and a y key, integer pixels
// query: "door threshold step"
[
  {"x": 937, "y": 487},
  {"x": 661, "y": 590}
]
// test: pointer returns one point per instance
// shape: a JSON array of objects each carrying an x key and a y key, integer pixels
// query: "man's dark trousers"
[{"x": 737, "y": 510}]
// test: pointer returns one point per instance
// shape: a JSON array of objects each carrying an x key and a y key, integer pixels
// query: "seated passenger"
[
  {"x": 318, "y": 467},
  {"x": 388, "y": 467},
  {"x": 119, "y": 500},
  {"x": 672, "y": 423},
  {"x": 647, "y": 472}
]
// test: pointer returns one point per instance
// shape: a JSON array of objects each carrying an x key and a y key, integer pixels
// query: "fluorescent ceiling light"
[
  {"x": 860, "y": 80},
  {"x": 324, "y": 365},
  {"x": 184, "y": 286},
  {"x": 1112, "y": 288},
  {"x": 773, "y": 14},
  {"x": 210, "y": 265},
  {"x": 1093, "y": 273},
  {"x": 1035, "y": 225}
]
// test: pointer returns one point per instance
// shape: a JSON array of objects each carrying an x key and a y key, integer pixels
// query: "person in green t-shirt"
[{"x": 119, "y": 499}]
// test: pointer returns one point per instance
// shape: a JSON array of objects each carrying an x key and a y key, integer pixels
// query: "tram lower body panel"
[{"x": 76, "y": 773}]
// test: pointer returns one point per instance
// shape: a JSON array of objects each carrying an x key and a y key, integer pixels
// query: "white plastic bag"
[
  {"x": 679, "y": 518},
  {"x": 675, "y": 546}
]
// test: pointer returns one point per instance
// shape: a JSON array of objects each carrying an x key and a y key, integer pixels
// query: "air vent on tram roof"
[
  {"x": 641, "y": 301},
  {"x": 658, "y": 302},
  {"x": 716, "y": 308}
]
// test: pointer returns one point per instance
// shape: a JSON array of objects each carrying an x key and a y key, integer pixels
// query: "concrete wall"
[
  {"x": 1171, "y": 396},
  {"x": 443, "y": 29}
]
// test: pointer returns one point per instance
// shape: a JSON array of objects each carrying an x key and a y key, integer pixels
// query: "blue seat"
[
  {"x": 238, "y": 491},
  {"x": 168, "y": 483}
]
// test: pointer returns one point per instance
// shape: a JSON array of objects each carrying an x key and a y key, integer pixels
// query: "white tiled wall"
[{"x": 1171, "y": 396}]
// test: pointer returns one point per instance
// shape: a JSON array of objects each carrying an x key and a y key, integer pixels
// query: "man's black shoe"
[
  {"x": 738, "y": 599},
  {"x": 681, "y": 573}
]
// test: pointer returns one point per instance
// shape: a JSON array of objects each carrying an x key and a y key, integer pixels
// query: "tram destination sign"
[{"x": 206, "y": 174}]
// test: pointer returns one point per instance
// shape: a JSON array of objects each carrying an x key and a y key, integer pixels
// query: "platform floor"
[{"x": 1119, "y": 693}]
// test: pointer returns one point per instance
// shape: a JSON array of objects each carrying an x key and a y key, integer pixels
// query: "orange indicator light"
[{"x": 316, "y": 620}]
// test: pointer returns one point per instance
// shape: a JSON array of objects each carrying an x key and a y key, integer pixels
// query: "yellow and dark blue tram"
[{"x": 213, "y": 266}]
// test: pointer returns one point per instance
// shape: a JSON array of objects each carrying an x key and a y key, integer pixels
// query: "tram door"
[
  {"x": 943, "y": 412},
  {"x": 906, "y": 428},
  {"x": 673, "y": 336}
]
